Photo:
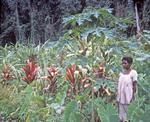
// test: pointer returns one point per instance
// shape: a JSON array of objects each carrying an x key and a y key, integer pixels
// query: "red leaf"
[
  {"x": 7, "y": 73},
  {"x": 53, "y": 72},
  {"x": 70, "y": 74},
  {"x": 31, "y": 69}
]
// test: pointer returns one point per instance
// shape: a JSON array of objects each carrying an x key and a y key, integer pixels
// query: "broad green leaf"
[{"x": 70, "y": 109}]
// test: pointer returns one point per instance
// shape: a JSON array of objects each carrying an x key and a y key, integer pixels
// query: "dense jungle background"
[
  {"x": 60, "y": 59},
  {"x": 40, "y": 20}
]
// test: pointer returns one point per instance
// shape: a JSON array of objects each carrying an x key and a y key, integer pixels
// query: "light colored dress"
[{"x": 125, "y": 87}]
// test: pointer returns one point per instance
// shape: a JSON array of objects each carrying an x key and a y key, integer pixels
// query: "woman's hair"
[{"x": 128, "y": 59}]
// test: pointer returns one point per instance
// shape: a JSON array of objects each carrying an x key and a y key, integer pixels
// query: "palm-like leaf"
[
  {"x": 70, "y": 74},
  {"x": 52, "y": 78},
  {"x": 7, "y": 73},
  {"x": 31, "y": 69}
]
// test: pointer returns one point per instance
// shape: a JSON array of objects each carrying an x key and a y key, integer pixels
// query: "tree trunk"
[
  {"x": 137, "y": 20},
  {"x": 18, "y": 35}
]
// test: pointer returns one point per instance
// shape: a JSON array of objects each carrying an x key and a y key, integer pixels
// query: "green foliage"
[
  {"x": 94, "y": 36},
  {"x": 136, "y": 113},
  {"x": 106, "y": 112},
  {"x": 71, "y": 113},
  {"x": 8, "y": 101}
]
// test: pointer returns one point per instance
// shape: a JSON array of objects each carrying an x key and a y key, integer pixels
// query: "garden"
[{"x": 74, "y": 79}]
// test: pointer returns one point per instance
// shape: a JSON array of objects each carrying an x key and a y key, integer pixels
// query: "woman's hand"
[{"x": 134, "y": 90}]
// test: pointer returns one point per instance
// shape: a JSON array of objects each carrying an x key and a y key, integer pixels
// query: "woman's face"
[{"x": 125, "y": 64}]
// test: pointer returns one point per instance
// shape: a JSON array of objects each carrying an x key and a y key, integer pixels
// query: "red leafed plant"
[
  {"x": 78, "y": 80},
  {"x": 31, "y": 69},
  {"x": 7, "y": 73},
  {"x": 52, "y": 78},
  {"x": 99, "y": 71},
  {"x": 53, "y": 72},
  {"x": 70, "y": 76}
]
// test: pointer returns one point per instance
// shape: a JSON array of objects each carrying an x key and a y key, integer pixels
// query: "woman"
[{"x": 127, "y": 84}]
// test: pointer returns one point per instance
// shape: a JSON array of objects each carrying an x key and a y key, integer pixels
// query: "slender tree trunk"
[
  {"x": 31, "y": 22},
  {"x": 18, "y": 29},
  {"x": 137, "y": 19}
]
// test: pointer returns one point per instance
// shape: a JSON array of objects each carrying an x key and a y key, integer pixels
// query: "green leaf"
[
  {"x": 106, "y": 112},
  {"x": 71, "y": 113}
]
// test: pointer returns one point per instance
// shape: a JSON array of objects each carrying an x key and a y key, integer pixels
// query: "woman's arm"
[{"x": 134, "y": 87}]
